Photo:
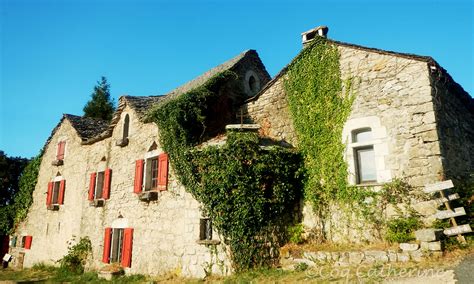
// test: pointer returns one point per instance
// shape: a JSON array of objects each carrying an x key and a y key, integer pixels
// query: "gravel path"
[{"x": 464, "y": 272}]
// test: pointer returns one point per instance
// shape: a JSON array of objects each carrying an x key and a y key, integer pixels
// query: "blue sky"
[{"x": 53, "y": 52}]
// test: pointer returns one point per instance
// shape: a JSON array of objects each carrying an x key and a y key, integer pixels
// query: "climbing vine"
[
  {"x": 28, "y": 179},
  {"x": 248, "y": 201},
  {"x": 320, "y": 105}
]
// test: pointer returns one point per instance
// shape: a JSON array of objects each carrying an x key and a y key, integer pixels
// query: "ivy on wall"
[
  {"x": 320, "y": 106},
  {"x": 12, "y": 214},
  {"x": 248, "y": 201}
]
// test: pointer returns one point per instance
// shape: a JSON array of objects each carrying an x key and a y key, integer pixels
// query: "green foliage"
[
  {"x": 295, "y": 233},
  {"x": 401, "y": 230},
  {"x": 247, "y": 199},
  {"x": 101, "y": 106},
  {"x": 74, "y": 260},
  {"x": 10, "y": 171},
  {"x": 319, "y": 107},
  {"x": 16, "y": 211}
]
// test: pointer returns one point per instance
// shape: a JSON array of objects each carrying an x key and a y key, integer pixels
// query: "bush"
[
  {"x": 74, "y": 261},
  {"x": 400, "y": 230},
  {"x": 295, "y": 233}
]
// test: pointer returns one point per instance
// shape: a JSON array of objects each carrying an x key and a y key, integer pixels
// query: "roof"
[
  {"x": 203, "y": 78},
  {"x": 86, "y": 127},
  {"x": 141, "y": 104},
  {"x": 283, "y": 71}
]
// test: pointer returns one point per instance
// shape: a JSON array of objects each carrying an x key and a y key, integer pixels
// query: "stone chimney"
[{"x": 308, "y": 36}]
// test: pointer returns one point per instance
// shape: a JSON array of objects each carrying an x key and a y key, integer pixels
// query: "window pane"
[
  {"x": 116, "y": 245},
  {"x": 56, "y": 192},
  {"x": 100, "y": 185},
  {"x": 366, "y": 165},
  {"x": 154, "y": 173},
  {"x": 362, "y": 135}
]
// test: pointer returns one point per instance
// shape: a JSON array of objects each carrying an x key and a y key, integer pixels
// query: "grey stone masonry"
[{"x": 428, "y": 235}]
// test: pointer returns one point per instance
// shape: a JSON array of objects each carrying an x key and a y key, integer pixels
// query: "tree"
[
  {"x": 11, "y": 169},
  {"x": 100, "y": 106}
]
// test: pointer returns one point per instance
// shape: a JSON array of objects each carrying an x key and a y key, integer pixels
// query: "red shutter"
[
  {"x": 127, "y": 247},
  {"x": 61, "y": 147},
  {"x": 50, "y": 193},
  {"x": 28, "y": 240},
  {"x": 137, "y": 187},
  {"x": 106, "y": 255},
  {"x": 62, "y": 187},
  {"x": 92, "y": 186},
  {"x": 106, "y": 191},
  {"x": 163, "y": 171}
]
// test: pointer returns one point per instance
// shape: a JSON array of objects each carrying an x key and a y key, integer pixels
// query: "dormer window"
[{"x": 126, "y": 126}]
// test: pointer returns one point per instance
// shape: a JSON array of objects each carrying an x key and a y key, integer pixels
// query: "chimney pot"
[{"x": 318, "y": 31}]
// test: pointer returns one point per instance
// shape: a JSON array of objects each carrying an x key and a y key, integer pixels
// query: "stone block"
[
  {"x": 430, "y": 246},
  {"x": 416, "y": 255},
  {"x": 428, "y": 235},
  {"x": 375, "y": 256},
  {"x": 392, "y": 256},
  {"x": 356, "y": 257},
  {"x": 409, "y": 247},
  {"x": 403, "y": 257}
]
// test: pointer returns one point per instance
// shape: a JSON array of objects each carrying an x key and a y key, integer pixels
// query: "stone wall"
[
  {"x": 51, "y": 230},
  {"x": 166, "y": 231},
  {"x": 393, "y": 98},
  {"x": 454, "y": 110}
]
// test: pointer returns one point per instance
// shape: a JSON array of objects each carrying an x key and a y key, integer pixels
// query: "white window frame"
[{"x": 379, "y": 142}]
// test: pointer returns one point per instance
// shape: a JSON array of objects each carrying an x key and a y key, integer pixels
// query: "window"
[
  {"x": 55, "y": 194},
  {"x": 151, "y": 174},
  {"x": 99, "y": 185},
  {"x": 364, "y": 155},
  {"x": 205, "y": 229},
  {"x": 26, "y": 242},
  {"x": 118, "y": 244},
  {"x": 126, "y": 125},
  {"x": 61, "y": 149}
]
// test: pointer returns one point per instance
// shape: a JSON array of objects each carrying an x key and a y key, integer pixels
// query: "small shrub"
[
  {"x": 74, "y": 261},
  {"x": 301, "y": 266},
  {"x": 295, "y": 234},
  {"x": 400, "y": 230}
]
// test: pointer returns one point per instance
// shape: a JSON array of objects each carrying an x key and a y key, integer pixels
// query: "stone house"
[
  {"x": 112, "y": 182},
  {"x": 409, "y": 120}
]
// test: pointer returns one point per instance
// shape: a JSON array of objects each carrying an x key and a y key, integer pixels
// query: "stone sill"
[
  {"x": 148, "y": 196},
  {"x": 53, "y": 207},
  {"x": 57, "y": 163},
  {"x": 208, "y": 242},
  {"x": 121, "y": 142},
  {"x": 97, "y": 202}
]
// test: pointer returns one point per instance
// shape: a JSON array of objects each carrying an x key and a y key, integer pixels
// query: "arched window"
[
  {"x": 364, "y": 155},
  {"x": 126, "y": 125}
]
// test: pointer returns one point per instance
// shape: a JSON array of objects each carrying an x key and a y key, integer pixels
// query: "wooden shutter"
[
  {"x": 92, "y": 186},
  {"x": 137, "y": 188},
  {"x": 62, "y": 187},
  {"x": 127, "y": 247},
  {"x": 108, "y": 179},
  {"x": 163, "y": 171},
  {"x": 61, "y": 148},
  {"x": 50, "y": 193},
  {"x": 107, "y": 238},
  {"x": 28, "y": 240}
]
